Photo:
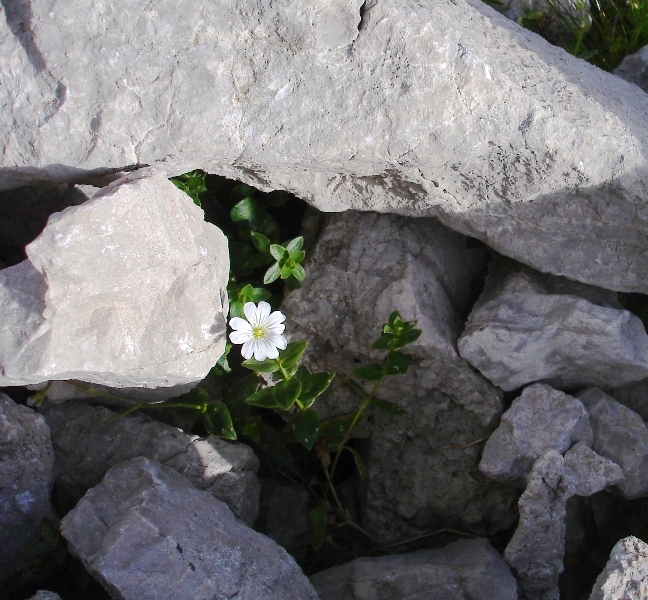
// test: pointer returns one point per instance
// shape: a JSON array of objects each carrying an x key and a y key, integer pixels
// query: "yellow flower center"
[{"x": 258, "y": 332}]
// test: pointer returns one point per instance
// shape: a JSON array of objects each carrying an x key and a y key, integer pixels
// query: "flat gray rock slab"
[
  {"x": 126, "y": 290},
  {"x": 145, "y": 533},
  {"x": 88, "y": 440},
  {"x": 527, "y": 327},
  {"x": 625, "y": 576},
  {"x": 364, "y": 266},
  {"x": 26, "y": 479},
  {"x": 463, "y": 570},
  {"x": 620, "y": 435},
  {"x": 540, "y": 420},
  {"x": 532, "y": 150}
]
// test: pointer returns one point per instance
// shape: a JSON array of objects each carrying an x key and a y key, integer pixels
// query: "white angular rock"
[
  {"x": 126, "y": 290},
  {"x": 532, "y": 150},
  {"x": 527, "y": 327},
  {"x": 364, "y": 266},
  {"x": 620, "y": 435},
  {"x": 464, "y": 570},
  {"x": 90, "y": 440},
  {"x": 625, "y": 576},
  {"x": 145, "y": 533},
  {"x": 540, "y": 420},
  {"x": 26, "y": 479},
  {"x": 634, "y": 68}
]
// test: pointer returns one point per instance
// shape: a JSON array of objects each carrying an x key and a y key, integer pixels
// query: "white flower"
[{"x": 261, "y": 333}]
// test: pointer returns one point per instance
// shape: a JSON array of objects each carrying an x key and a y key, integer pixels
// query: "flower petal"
[
  {"x": 277, "y": 328},
  {"x": 238, "y": 323},
  {"x": 248, "y": 348},
  {"x": 263, "y": 312},
  {"x": 250, "y": 310},
  {"x": 240, "y": 337},
  {"x": 261, "y": 349},
  {"x": 275, "y": 318},
  {"x": 272, "y": 352},
  {"x": 275, "y": 340}
]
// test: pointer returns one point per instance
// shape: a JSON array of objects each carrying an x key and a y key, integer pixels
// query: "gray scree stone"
[
  {"x": 534, "y": 151},
  {"x": 45, "y": 595},
  {"x": 464, "y": 570},
  {"x": 625, "y": 576},
  {"x": 126, "y": 290},
  {"x": 26, "y": 479},
  {"x": 89, "y": 440},
  {"x": 620, "y": 435},
  {"x": 634, "y": 68},
  {"x": 145, "y": 533},
  {"x": 541, "y": 419},
  {"x": 527, "y": 328},
  {"x": 587, "y": 472},
  {"x": 363, "y": 267}
]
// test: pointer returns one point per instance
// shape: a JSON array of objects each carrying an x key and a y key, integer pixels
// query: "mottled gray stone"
[
  {"x": 45, "y": 595},
  {"x": 283, "y": 515},
  {"x": 525, "y": 328},
  {"x": 126, "y": 290},
  {"x": 532, "y": 150},
  {"x": 587, "y": 472},
  {"x": 625, "y": 576},
  {"x": 420, "y": 475},
  {"x": 26, "y": 478},
  {"x": 89, "y": 440},
  {"x": 541, "y": 419},
  {"x": 145, "y": 533},
  {"x": 536, "y": 550},
  {"x": 634, "y": 68},
  {"x": 464, "y": 570},
  {"x": 620, "y": 435}
]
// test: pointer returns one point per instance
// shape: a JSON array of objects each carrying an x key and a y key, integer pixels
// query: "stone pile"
[{"x": 529, "y": 383}]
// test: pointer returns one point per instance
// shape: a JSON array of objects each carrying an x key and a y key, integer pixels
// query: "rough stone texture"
[
  {"x": 621, "y": 436},
  {"x": 625, "y": 576},
  {"x": 26, "y": 478},
  {"x": 526, "y": 328},
  {"x": 126, "y": 290},
  {"x": 587, "y": 472},
  {"x": 363, "y": 267},
  {"x": 635, "y": 396},
  {"x": 24, "y": 212},
  {"x": 541, "y": 419},
  {"x": 145, "y": 533},
  {"x": 89, "y": 440},
  {"x": 536, "y": 550},
  {"x": 634, "y": 68},
  {"x": 524, "y": 146},
  {"x": 283, "y": 515},
  {"x": 45, "y": 595},
  {"x": 464, "y": 570}
]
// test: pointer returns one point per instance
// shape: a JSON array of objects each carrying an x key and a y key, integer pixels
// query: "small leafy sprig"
[{"x": 287, "y": 258}]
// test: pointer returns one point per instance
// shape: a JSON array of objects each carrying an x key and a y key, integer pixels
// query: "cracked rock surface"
[
  {"x": 534, "y": 151},
  {"x": 90, "y": 440}
]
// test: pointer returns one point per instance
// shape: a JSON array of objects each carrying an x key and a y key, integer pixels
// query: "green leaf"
[
  {"x": 388, "y": 406},
  {"x": 269, "y": 365},
  {"x": 261, "y": 242},
  {"x": 263, "y": 398},
  {"x": 251, "y": 428},
  {"x": 272, "y": 274},
  {"x": 236, "y": 309},
  {"x": 222, "y": 367},
  {"x": 259, "y": 294},
  {"x": 278, "y": 252},
  {"x": 286, "y": 392},
  {"x": 369, "y": 373},
  {"x": 295, "y": 245},
  {"x": 305, "y": 426},
  {"x": 292, "y": 353},
  {"x": 356, "y": 387},
  {"x": 217, "y": 420},
  {"x": 272, "y": 445},
  {"x": 383, "y": 342},
  {"x": 397, "y": 363},
  {"x": 298, "y": 272},
  {"x": 246, "y": 210},
  {"x": 408, "y": 337},
  {"x": 242, "y": 389},
  {"x": 297, "y": 257},
  {"x": 359, "y": 463},
  {"x": 314, "y": 385},
  {"x": 317, "y": 525},
  {"x": 286, "y": 271},
  {"x": 333, "y": 430}
]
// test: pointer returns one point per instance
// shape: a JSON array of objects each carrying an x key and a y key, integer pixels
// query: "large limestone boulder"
[
  {"x": 528, "y": 327},
  {"x": 442, "y": 108},
  {"x": 420, "y": 476},
  {"x": 126, "y": 290},
  {"x": 145, "y": 533},
  {"x": 26, "y": 479}
]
